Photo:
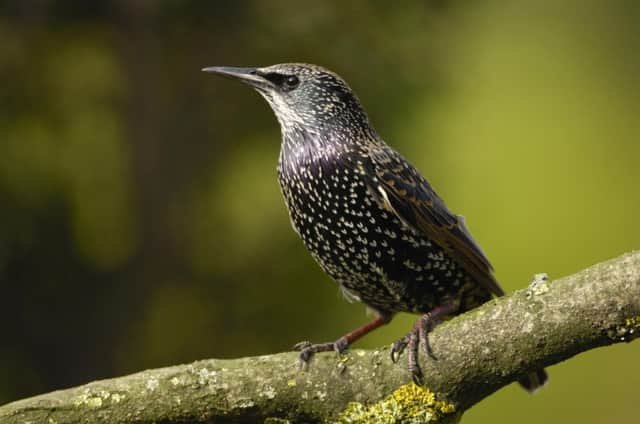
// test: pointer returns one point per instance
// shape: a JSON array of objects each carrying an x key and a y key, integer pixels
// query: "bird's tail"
[{"x": 532, "y": 382}]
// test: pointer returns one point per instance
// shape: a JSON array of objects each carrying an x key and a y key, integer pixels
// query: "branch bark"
[{"x": 478, "y": 353}]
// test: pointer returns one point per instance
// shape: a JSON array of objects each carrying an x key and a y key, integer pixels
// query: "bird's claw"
[
  {"x": 425, "y": 324},
  {"x": 418, "y": 335},
  {"x": 301, "y": 345},
  {"x": 308, "y": 349},
  {"x": 341, "y": 345},
  {"x": 416, "y": 375},
  {"x": 398, "y": 347}
]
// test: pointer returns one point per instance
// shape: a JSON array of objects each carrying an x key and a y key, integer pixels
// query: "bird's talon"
[
  {"x": 425, "y": 324},
  {"x": 429, "y": 351},
  {"x": 305, "y": 355},
  {"x": 300, "y": 346},
  {"x": 414, "y": 367},
  {"x": 341, "y": 345},
  {"x": 308, "y": 349},
  {"x": 416, "y": 376},
  {"x": 303, "y": 365},
  {"x": 397, "y": 348}
]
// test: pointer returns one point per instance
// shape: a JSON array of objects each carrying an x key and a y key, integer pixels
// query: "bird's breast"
[
  {"x": 366, "y": 248},
  {"x": 330, "y": 207}
]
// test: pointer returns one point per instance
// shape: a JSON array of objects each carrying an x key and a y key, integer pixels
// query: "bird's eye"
[{"x": 290, "y": 82}]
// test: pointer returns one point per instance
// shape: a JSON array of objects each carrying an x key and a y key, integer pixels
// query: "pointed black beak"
[{"x": 249, "y": 76}]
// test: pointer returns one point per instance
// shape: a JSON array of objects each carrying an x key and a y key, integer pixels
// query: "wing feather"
[{"x": 402, "y": 190}]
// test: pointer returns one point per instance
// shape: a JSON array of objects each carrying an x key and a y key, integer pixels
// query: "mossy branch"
[{"x": 478, "y": 353}]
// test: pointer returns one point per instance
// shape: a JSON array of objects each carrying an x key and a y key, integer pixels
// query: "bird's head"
[{"x": 303, "y": 96}]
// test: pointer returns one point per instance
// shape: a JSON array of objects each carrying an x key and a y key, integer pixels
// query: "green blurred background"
[{"x": 141, "y": 224}]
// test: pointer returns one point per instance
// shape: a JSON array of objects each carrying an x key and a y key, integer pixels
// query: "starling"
[{"x": 368, "y": 217}]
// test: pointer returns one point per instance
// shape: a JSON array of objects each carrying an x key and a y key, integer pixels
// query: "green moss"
[{"x": 408, "y": 404}]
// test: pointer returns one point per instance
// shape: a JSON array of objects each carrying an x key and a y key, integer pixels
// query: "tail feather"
[{"x": 532, "y": 382}]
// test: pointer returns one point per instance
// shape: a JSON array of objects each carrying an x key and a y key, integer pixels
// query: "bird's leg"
[
  {"x": 308, "y": 349},
  {"x": 420, "y": 333}
]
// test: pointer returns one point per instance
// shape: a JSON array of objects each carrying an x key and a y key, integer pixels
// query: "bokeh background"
[{"x": 141, "y": 224}]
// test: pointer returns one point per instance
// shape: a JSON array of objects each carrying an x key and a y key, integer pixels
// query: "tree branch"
[{"x": 478, "y": 353}]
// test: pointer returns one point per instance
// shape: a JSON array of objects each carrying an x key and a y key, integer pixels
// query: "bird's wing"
[{"x": 399, "y": 188}]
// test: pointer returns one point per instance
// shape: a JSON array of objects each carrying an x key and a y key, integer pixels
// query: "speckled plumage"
[
  {"x": 367, "y": 216},
  {"x": 338, "y": 208}
]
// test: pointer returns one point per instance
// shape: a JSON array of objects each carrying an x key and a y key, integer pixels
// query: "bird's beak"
[{"x": 249, "y": 76}]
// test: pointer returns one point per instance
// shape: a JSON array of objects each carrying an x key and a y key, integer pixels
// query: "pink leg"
[{"x": 308, "y": 349}]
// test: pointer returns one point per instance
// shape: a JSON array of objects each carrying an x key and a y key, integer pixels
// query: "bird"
[{"x": 368, "y": 217}]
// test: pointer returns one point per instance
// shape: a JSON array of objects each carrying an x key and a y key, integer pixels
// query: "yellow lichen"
[
  {"x": 633, "y": 327},
  {"x": 625, "y": 332},
  {"x": 407, "y": 404},
  {"x": 633, "y": 323}
]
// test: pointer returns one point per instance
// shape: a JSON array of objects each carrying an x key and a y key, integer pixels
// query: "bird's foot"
[
  {"x": 308, "y": 349},
  {"x": 412, "y": 341},
  {"x": 419, "y": 334}
]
